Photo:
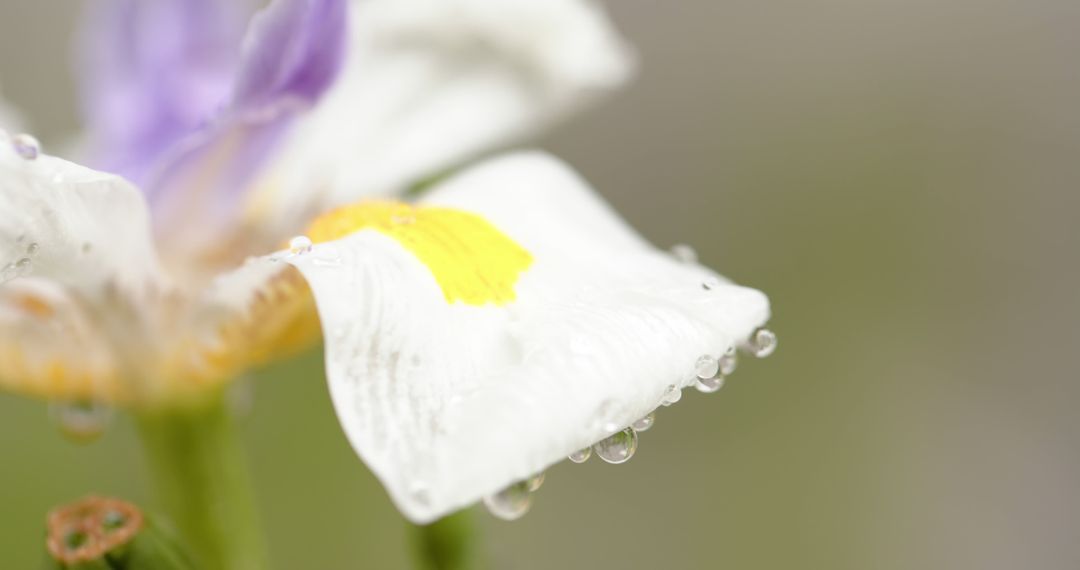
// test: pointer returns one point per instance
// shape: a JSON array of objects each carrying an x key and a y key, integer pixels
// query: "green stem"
[
  {"x": 197, "y": 462},
  {"x": 451, "y": 543}
]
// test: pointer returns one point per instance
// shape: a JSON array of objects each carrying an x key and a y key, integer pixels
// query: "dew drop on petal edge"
[
  {"x": 684, "y": 253},
  {"x": 763, "y": 343},
  {"x": 644, "y": 423},
  {"x": 533, "y": 483},
  {"x": 511, "y": 503},
  {"x": 81, "y": 422},
  {"x": 300, "y": 244},
  {"x": 672, "y": 395},
  {"x": 729, "y": 362},
  {"x": 618, "y": 448},
  {"x": 709, "y": 385},
  {"x": 26, "y": 146},
  {"x": 706, "y": 366},
  {"x": 581, "y": 455}
]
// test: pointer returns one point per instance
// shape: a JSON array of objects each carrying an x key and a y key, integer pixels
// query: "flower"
[
  {"x": 505, "y": 321},
  {"x": 235, "y": 149}
]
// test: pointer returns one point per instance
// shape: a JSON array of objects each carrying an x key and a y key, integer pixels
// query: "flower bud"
[{"x": 97, "y": 533}]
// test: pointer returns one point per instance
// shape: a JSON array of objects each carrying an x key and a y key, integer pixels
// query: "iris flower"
[{"x": 501, "y": 322}]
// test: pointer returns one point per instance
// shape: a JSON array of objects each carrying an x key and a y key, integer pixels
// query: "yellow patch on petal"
[{"x": 472, "y": 260}]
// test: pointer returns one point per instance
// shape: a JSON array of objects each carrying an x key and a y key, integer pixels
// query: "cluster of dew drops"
[
  {"x": 710, "y": 371},
  {"x": 28, "y": 148}
]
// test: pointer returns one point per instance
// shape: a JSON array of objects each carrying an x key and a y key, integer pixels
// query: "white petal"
[
  {"x": 50, "y": 344},
  {"x": 447, "y": 402},
  {"x": 431, "y": 83},
  {"x": 81, "y": 228}
]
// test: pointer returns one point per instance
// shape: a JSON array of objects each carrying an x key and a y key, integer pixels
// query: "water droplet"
[
  {"x": 32, "y": 249},
  {"x": 728, "y": 362},
  {"x": 511, "y": 503},
  {"x": 763, "y": 343},
  {"x": 644, "y": 423},
  {"x": 26, "y": 146},
  {"x": 672, "y": 395},
  {"x": 684, "y": 253},
  {"x": 706, "y": 366},
  {"x": 419, "y": 492},
  {"x": 709, "y": 385},
  {"x": 533, "y": 483},
  {"x": 711, "y": 283},
  {"x": 300, "y": 245},
  {"x": 618, "y": 448},
  {"x": 83, "y": 421},
  {"x": 581, "y": 455}
]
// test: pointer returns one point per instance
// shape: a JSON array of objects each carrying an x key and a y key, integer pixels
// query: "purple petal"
[
  {"x": 295, "y": 51},
  {"x": 152, "y": 73},
  {"x": 292, "y": 54}
]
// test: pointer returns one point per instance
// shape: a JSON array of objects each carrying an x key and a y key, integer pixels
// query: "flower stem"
[
  {"x": 450, "y": 543},
  {"x": 202, "y": 480}
]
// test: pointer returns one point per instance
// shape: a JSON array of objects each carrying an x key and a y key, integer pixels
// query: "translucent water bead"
[
  {"x": 511, "y": 503},
  {"x": 533, "y": 483},
  {"x": 81, "y": 422},
  {"x": 618, "y": 448},
  {"x": 763, "y": 343},
  {"x": 706, "y": 367},
  {"x": 581, "y": 455},
  {"x": 26, "y": 146},
  {"x": 729, "y": 362},
  {"x": 709, "y": 385},
  {"x": 300, "y": 244},
  {"x": 672, "y": 395},
  {"x": 684, "y": 253},
  {"x": 644, "y": 423}
]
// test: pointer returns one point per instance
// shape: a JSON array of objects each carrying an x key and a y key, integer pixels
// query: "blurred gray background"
[{"x": 899, "y": 175}]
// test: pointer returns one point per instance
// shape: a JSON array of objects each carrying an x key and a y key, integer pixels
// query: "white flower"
[
  {"x": 110, "y": 296},
  {"x": 505, "y": 321}
]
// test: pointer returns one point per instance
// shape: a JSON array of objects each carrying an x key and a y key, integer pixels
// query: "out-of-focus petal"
[
  {"x": 507, "y": 321},
  {"x": 84, "y": 229},
  {"x": 153, "y": 72},
  {"x": 291, "y": 54},
  {"x": 76, "y": 253},
  {"x": 429, "y": 84},
  {"x": 51, "y": 345}
]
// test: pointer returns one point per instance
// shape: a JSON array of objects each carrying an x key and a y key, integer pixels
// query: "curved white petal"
[
  {"x": 51, "y": 345},
  {"x": 76, "y": 258},
  {"x": 79, "y": 227},
  {"x": 431, "y": 83},
  {"x": 449, "y": 402}
]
